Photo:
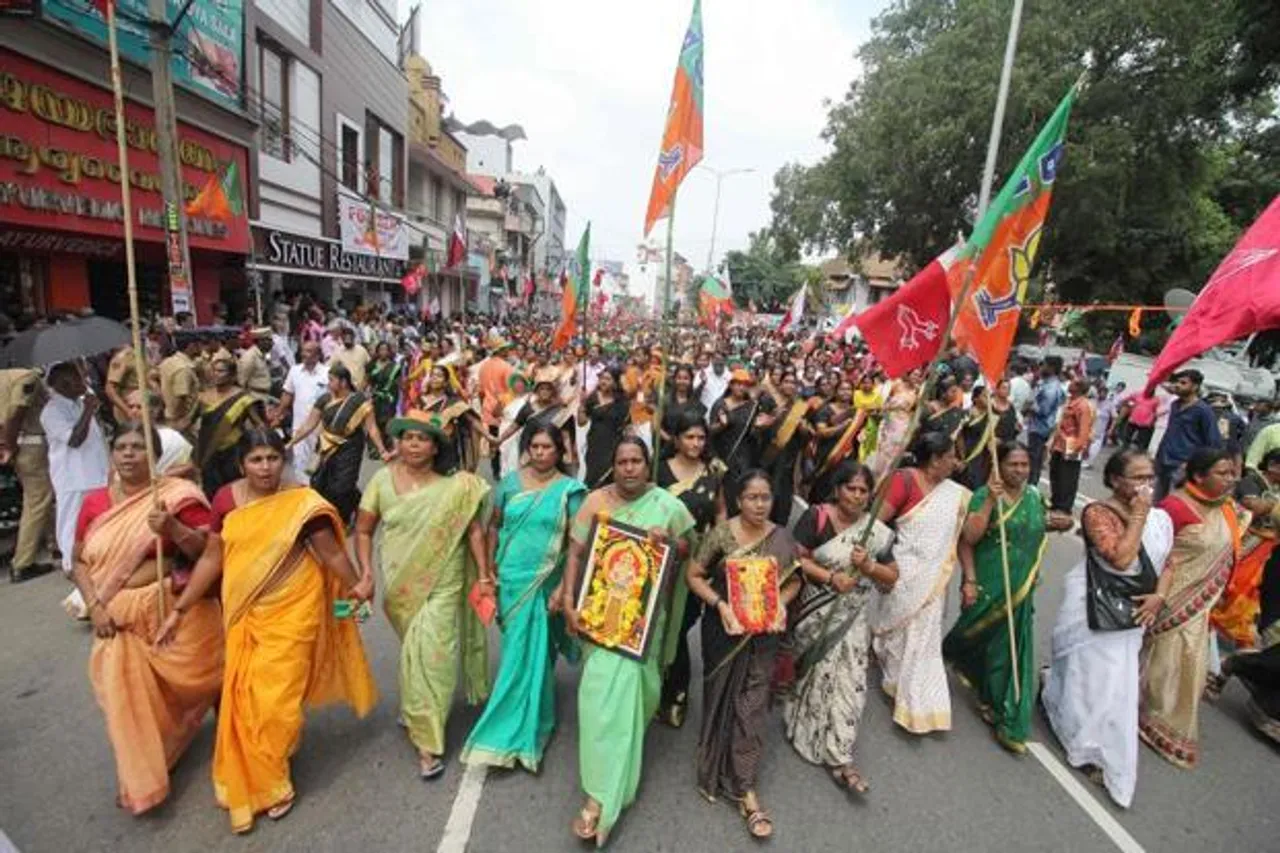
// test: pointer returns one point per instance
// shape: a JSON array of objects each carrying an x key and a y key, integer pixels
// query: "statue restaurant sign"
[{"x": 59, "y": 168}]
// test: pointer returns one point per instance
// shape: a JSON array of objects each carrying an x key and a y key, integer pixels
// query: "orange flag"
[{"x": 682, "y": 139}]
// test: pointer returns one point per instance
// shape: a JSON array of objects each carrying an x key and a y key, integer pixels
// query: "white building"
[{"x": 549, "y": 251}]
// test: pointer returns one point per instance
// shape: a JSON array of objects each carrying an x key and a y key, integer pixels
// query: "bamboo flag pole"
[
  {"x": 658, "y": 413},
  {"x": 126, "y": 205},
  {"x": 1008, "y": 591}
]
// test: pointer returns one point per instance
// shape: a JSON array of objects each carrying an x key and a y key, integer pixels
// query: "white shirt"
[
  {"x": 174, "y": 449},
  {"x": 306, "y": 386},
  {"x": 593, "y": 376},
  {"x": 713, "y": 386},
  {"x": 1019, "y": 393},
  {"x": 73, "y": 469},
  {"x": 282, "y": 351}
]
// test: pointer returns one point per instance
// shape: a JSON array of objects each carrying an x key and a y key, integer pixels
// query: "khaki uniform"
[
  {"x": 123, "y": 378},
  {"x": 254, "y": 372},
  {"x": 355, "y": 360},
  {"x": 180, "y": 390},
  {"x": 24, "y": 389}
]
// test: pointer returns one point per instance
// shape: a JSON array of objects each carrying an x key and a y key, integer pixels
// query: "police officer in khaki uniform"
[
  {"x": 122, "y": 380},
  {"x": 180, "y": 387},
  {"x": 22, "y": 396},
  {"x": 253, "y": 370}
]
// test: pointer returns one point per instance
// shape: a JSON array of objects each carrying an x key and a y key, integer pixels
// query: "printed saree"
[
  {"x": 907, "y": 626},
  {"x": 1175, "y": 655},
  {"x": 893, "y": 435},
  {"x": 427, "y": 572},
  {"x": 617, "y": 696},
  {"x": 978, "y": 644},
  {"x": 154, "y": 700},
  {"x": 285, "y": 649},
  {"x": 521, "y": 713}
]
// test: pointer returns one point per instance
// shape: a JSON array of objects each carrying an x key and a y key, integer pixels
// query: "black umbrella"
[{"x": 78, "y": 337}]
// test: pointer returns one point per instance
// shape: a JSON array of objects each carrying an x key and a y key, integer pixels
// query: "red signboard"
[{"x": 59, "y": 167}]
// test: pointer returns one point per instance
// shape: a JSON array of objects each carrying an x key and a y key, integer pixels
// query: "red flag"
[
  {"x": 598, "y": 277},
  {"x": 457, "y": 244},
  {"x": 1242, "y": 297},
  {"x": 1117, "y": 349},
  {"x": 412, "y": 281},
  {"x": 845, "y": 325},
  {"x": 905, "y": 331},
  {"x": 794, "y": 311},
  {"x": 103, "y": 7}
]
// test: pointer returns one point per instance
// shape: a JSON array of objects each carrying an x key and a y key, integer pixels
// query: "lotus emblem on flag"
[
  {"x": 669, "y": 160},
  {"x": 990, "y": 309},
  {"x": 914, "y": 327}
]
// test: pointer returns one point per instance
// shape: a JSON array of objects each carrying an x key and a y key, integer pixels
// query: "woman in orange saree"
[
  {"x": 283, "y": 565},
  {"x": 154, "y": 700}
]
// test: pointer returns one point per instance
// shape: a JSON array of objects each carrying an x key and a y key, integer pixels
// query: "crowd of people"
[{"x": 496, "y": 458}]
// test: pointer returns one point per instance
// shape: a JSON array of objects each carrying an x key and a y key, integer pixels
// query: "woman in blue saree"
[{"x": 528, "y": 536}]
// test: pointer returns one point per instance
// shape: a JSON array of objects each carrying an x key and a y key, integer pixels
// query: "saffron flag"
[
  {"x": 904, "y": 332},
  {"x": 1241, "y": 297},
  {"x": 682, "y": 139},
  {"x": 220, "y": 197},
  {"x": 794, "y": 311},
  {"x": 1135, "y": 323},
  {"x": 714, "y": 300},
  {"x": 1001, "y": 252},
  {"x": 457, "y": 244},
  {"x": 574, "y": 293}
]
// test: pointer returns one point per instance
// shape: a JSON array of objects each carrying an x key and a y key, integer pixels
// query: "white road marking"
[
  {"x": 1064, "y": 777},
  {"x": 457, "y": 831}
]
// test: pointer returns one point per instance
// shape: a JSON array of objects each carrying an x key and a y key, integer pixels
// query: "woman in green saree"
[
  {"x": 617, "y": 696},
  {"x": 978, "y": 645},
  {"x": 529, "y": 536},
  {"x": 433, "y": 552}
]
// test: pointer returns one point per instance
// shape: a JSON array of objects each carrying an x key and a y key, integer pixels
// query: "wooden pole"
[
  {"x": 126, "y": 204},
  {"x": 656, "y": 423},
  {"x": 1008, "y": 592}
]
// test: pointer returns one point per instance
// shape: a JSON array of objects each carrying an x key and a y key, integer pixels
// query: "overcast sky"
[{"x": 590, "y": 82}]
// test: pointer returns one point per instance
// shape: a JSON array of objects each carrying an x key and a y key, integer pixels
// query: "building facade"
[
  {"x": 331, "y": 165},
  {"x": 549, "y": 251},
  {"x": 61, "y": 213}
]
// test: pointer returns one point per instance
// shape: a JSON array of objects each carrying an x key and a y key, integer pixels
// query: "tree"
[
  {"x": 763, "y": 274},
  {"x": 1171, "y": 151}
]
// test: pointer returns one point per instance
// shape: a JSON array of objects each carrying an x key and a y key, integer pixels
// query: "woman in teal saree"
[
  {"x": 618, "y": 696},
  {"x": 978, "y": 644},
  {"x": 529, "y": 536}
]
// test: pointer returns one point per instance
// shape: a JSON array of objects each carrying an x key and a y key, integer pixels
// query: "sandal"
[
  {"x": 1213, "y": 686},
  {"x": 675, "y": 714},
  {"x": 430, "y": 767},
  {"x": 1009, "y": 744},
  {"x": 759, "y": 824},
  {"x": 586, "y": 826},
  {"x": 279, "y": 810},
  {"x": 988, "y": 714},
  {"x": 849, "y": 778}
]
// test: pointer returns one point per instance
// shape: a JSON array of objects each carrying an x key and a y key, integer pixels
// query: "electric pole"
[{"x": 177, "y": 252}]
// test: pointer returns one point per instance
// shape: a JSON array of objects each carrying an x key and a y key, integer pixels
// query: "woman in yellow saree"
[
  {"x": 433, "y": 553},
  {"x": 283, "y": 564},
  {"x": 1175, "y": 655},
  {"x": 154, "y": 700}
]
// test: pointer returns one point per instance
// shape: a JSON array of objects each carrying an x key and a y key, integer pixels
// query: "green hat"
[{"x": 416, "y": 420}]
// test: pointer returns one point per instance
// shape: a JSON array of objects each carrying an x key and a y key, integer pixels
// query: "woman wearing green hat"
[{"x": 433, "y": 552}]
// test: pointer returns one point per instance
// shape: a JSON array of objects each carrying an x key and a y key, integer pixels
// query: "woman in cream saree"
[
  {"x": 154, "y": 700},
  {"x": 927, "y": 510},
  {"x": 1175, "y": 656},
  {"x": 283, "y": 564},
  {"x": 433, "y": 554}
]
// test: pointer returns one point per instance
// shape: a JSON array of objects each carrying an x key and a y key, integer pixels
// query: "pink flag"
[{"x": 1241, "y": 297}]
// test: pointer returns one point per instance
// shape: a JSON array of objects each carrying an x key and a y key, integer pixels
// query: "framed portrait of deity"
[
  {"x": 622, "y": 586},
  {"x": 754, "y": 595}
]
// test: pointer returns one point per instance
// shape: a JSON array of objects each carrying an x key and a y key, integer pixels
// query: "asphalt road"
[{"x": 358, "y": 784}]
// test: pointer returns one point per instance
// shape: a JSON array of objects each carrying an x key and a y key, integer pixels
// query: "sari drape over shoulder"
[
  {"x": 341, "y": 451},
  {"x": 617, "y": 696},
  {"x": 1175, "y": 654},
  {"x": 427, "y": 571},
  {"x": 154, "y": 700},
  {"x": 978, "y": 644},
  {"x": 217, "y": 450},
  {"x": 521, "y": 713},
  {"x": 285, "y": 649},
  {"x": 907, "y": 626}
]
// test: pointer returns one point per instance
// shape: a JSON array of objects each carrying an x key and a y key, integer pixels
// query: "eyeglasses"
[{"x": 1145, "y": 478}]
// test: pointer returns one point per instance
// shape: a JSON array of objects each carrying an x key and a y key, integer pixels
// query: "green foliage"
[
  {"x": 1172, "y": 148},
  {"x": 767, "y": 274}
]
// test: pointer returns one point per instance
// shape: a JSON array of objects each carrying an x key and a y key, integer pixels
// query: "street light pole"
[{"x": 715, "y": 211}]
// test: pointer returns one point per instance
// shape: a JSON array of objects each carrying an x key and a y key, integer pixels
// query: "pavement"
[{"x": 358, "y": 785}]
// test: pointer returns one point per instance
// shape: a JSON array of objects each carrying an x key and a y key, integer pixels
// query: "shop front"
[
  {"x": 291, "y": 263},
  {"x": 61, "y": 215}
]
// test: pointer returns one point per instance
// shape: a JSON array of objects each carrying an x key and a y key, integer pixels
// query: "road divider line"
[
  {"x": 1100, "y": 816},
  {"x": 457, "y": 831}
]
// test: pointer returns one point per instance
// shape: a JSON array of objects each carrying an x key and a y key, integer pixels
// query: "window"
[
  {"x": 384, "y": 152},
  {"x": 386, "y": 164},
  {"x": 273, "y": 66},
  {"x": 350, "y": 158},
  {"x": 437, "y": 199}
]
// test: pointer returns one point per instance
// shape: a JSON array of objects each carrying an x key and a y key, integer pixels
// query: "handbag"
[{"x": 1109, "y": 604}]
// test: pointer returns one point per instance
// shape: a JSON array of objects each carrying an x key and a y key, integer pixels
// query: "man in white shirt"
[
  {"x": 78, "y": 460},
  {"x": 304, "y": 384},
  {"x": 594, "y": 367},
  {"x": 1021, "y": 389},
  {"x": 714, "y": 381}
]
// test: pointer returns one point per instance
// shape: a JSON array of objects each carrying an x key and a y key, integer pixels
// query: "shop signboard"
[
  {"x": 318, "y": 256},
  {"x": 59, "y": 168},
  {"x": 366, "y": 229}
]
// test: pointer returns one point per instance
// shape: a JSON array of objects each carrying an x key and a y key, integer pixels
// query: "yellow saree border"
[{"x": 788, "y": 428}]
